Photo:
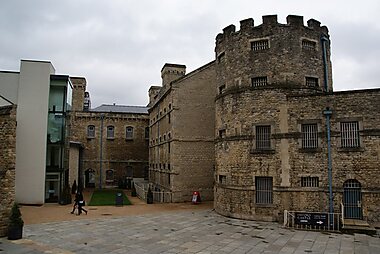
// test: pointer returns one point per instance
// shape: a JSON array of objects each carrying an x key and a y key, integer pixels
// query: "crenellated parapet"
[{"x": 274, "y": 55}]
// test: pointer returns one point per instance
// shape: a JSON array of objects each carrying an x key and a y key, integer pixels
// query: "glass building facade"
[{"x": 60, "y": 95}]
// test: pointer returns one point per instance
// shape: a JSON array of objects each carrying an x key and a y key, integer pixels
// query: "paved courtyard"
[{"x": 198, "y": 231}]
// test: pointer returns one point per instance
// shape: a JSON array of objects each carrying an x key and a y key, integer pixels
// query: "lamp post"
[
  {"x": 327, "y": 113},
  {"x": 101, "y": 150}
]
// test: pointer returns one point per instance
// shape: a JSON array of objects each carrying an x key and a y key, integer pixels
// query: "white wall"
[
  {"x": 8, "y": 87},
  {"x": 32, "y": 112}
]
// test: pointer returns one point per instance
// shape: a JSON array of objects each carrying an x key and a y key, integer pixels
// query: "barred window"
[
  {"x": 309, "y": 45},
  {"x": 146, "y": 132},
  {"x": 349, "y": 132},
  {"x": 263, "y": 134},
  {"x": 110, "y": 132},
  {"x": 309, "y": 135},
  {"x": 129, "y": 132},
  {"x": 260, "y": 45},
  {"x": 91, "y": 131},
  {"x": 310, "y": 181},
  {"x": 259, "y": 81},
  {"x": 222, "y": 179},
  {"x": 264, "y": 190},
  {"x": 311, "y": 82}
]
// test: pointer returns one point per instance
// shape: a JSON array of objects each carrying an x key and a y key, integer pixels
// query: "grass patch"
[{"x": 107, "y": 197}]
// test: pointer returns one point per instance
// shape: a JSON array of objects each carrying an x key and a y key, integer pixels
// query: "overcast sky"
[{"x": 120, "y": 46}]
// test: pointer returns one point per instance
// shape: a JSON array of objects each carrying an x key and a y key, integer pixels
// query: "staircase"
[{"x": 357, "y": 226}]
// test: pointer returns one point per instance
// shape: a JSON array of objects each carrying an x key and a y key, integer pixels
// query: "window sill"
[
  {"x": 90, "y": 137},
  {"x": 110, "y": 138},
  {"x": 350, "y": 149},
  {"x": 310, "y": 150},
  {"x": 265, "y": 205},
  {"x": 263, "y": 151},
  {"x": 129, "y": 139}
]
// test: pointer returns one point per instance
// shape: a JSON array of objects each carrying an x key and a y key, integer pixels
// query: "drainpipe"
[
  {"x": 327, "y": 113},
  {"x": 101, "y": 150},
  {"x": 324, "y": 39}
]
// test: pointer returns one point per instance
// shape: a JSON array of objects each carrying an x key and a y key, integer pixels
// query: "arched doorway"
[{"x": 352, "y": 199}]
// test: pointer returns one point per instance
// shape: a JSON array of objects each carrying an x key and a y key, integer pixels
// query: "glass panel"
[
  {"x": 56, "y": 123},
  {"x": 56, "y": 98}
]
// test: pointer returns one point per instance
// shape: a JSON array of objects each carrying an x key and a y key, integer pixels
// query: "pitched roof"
[{"x": 121, "y": 109}]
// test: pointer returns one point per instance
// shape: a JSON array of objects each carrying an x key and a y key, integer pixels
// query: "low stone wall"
[{"x": 7, "y": 164}]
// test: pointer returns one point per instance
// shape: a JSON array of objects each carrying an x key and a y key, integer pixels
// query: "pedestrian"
[
  {"x": 81, "y": 203},
  {"x": 76, "y": 200}
]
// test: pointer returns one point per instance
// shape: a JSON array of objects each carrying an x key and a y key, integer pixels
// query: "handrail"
[{"x": 334, "y": 222}]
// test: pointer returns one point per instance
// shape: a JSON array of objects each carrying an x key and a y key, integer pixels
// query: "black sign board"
[{"x": 312, "y": 219}]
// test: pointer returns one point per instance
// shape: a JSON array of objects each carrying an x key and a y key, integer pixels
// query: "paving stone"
[{"x": 184, "y": 232}]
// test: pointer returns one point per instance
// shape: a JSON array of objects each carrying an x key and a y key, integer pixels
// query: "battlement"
[
  {"x": 268, "y": 22},
  {"x": 171, "y": 72}
]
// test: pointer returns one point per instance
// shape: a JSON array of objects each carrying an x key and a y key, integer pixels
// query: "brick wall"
[{"x": 7, "y": 164}]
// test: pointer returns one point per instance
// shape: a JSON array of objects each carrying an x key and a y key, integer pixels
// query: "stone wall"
[
  {"x": 283, "y": 102},
  {"x": 182, "y": 123},
  {"x": 118, "y": 153},
  {"x": 287, "y": 162},
  {"x": 7, "y": 164}
]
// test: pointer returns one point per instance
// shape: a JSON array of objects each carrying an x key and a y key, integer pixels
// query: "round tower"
[{"x": 257, "y": 68}]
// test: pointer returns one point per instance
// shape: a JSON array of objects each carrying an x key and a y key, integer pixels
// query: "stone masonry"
[
  {"x": 181, "y": 157},
  {"x": 274, "y": 83},
  {"x": 7, "y": 164},
  {"x": 122, "y": 157}
]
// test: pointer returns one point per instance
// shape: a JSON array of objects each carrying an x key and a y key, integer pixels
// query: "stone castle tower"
[{"x": 257, "y": 68}]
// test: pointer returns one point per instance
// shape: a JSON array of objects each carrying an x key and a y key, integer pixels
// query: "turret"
[
  {"x": 289, "y": 55},
  {"x": 79, "y": 91},
  {"x": 171, "y": 72}
]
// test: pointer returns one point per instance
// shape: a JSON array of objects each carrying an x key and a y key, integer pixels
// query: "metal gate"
[{"x": 352, "y": 200}]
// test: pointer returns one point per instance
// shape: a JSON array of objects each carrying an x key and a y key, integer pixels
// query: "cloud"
[{"x": 119, "y": 46}]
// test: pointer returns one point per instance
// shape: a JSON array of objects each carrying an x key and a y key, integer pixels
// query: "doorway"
[
  {"x": 352, "y": 199},
  {"x": 52, "y": 187}
]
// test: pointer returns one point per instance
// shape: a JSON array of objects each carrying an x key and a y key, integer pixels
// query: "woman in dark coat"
[{"x": 81, "y": 204}]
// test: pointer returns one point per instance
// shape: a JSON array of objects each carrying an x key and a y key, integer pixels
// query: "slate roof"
[{"x": 121, "y": 109}]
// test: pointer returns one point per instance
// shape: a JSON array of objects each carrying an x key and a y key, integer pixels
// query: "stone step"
[{"x": 358, "y": 226}]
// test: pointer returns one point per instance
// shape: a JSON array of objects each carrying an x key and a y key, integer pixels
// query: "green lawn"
[{"x": 107, "y": 197}]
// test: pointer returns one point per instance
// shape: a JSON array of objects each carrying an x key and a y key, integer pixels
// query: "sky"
[{"x": 120, "y": 46}]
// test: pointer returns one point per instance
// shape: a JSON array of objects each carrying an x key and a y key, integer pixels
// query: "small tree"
[{"x": 15, "y": 223}]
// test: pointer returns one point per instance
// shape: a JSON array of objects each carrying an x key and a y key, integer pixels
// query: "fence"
[
  {"x": 313, "y": 220},
  {"x": 158, "y": 196}
]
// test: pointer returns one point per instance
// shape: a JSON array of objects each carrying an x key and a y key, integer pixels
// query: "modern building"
[
  {"x": 109, "y": 143},
  {"x": 42, "y": 100},
  {"x": 182, "y": 116}
]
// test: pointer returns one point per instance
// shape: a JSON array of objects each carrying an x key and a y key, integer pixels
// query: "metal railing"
[
  {"x": 317, "y": 221},
  {"x": 158, "y": 196}
]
